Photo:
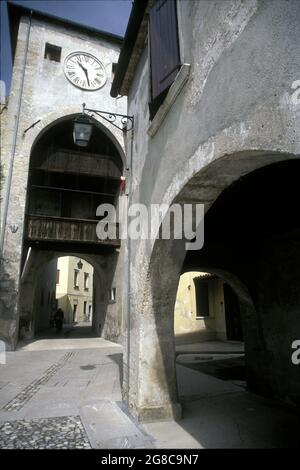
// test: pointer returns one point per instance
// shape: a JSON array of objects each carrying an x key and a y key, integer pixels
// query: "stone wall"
[
  {"x": 46, "y": 96},
  {"x": 238, "y": 111}
]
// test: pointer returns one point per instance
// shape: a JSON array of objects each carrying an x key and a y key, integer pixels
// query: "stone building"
[
  {"x": 74, "y": 289},
  {"x": 53, "y": 185},
  {"x": 206, "y": 309},
  {"x": 214, "y": 90}
]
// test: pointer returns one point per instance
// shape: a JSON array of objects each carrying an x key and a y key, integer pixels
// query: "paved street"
[{"x": 65, "y": 392}]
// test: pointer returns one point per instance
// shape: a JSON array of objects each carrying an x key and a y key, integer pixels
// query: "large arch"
[
  {"x": 56, "y": 132},
  {"x": 152, "y": 364},
  {"x": 37, "y": 261},
  {"x": 46, "y": 122}
]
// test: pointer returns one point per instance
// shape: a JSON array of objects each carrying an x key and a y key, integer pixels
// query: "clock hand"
[
  {"x": 85, "y": 71},
  {"x": 87, "y": 76},
  {"x": 79, "y": 63}
]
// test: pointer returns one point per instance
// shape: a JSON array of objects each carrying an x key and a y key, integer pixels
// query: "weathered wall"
[
  {"x": 238, "y": 111},
  {"x": 46, "y": 96},
  {"x": 189, "y": 326},
  {"x": 44, "y": 301}
]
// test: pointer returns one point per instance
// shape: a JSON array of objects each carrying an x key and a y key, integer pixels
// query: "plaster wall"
[{"x": 239, "y": 110}]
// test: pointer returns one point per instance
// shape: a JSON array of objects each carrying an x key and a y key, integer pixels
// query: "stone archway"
[
  {"x": 152, "y": 379},
  {"x": 36, "y": 263},
  {"x": 104, "y": 323},
  {"x": 12, "y": 262}
]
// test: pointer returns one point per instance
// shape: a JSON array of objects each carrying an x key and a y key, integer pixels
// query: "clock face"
[{"x": 85, "y": 71}]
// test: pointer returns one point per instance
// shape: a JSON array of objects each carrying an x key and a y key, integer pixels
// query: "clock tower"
[{"x": 52, "y": 188}]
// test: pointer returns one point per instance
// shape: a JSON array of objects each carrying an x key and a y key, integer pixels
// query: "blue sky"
[{"x": 107, "y": 15}]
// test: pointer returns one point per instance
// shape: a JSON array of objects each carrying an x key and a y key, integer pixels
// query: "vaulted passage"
[
  {"x": 252, "y": 234},
  {"x": 66, "y": 184},
  {"x": 252, "y": 248}
]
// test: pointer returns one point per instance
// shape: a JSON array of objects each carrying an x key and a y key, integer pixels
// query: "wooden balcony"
[{"x": 66, "y": 232}]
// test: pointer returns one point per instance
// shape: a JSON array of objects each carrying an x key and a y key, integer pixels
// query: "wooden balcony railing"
[{"x": 58, "y": 229}]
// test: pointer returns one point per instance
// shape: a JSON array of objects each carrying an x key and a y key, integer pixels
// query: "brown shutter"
[{"x": 164, "y": 46}]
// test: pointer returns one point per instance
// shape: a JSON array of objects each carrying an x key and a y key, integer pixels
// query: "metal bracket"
[{"x": 120, "y": 121}]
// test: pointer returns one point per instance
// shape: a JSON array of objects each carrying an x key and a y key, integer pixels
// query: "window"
[
  {"x": 164, "y": 51},
  {"x": 57, "y": 276},
  {"x": 202, "y": 300},
  {"x": 86, "y": 281},
  {"x": 76, "y": 279},
  {"x": 85, "y": 308},
  {"x": 52, "y": 52},
  {"x": 112, "y": 295}
]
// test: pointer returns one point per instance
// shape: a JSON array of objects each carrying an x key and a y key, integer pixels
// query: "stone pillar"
[
  {"x": 152, "y": 369},
  {"x": 157, "y": 385}
]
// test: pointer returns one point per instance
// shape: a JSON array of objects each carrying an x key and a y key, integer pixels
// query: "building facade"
[
  {"x": 200, "y": 312},
  {"x": 52, "y": 184},
  {"x": 214, "y": 90},
  {"x": 74, "y": 289}
]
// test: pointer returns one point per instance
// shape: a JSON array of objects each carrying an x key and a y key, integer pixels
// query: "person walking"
[{"x": 59, "y": 318}]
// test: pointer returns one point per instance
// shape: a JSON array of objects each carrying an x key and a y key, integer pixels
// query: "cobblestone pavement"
[{"x": 50, "y": 433}]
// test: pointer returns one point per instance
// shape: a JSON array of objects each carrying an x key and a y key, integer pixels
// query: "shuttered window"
[{"x": 164, "y": 50}]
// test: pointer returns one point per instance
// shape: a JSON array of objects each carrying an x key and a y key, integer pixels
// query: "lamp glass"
[{"x": 82, "y": 131}]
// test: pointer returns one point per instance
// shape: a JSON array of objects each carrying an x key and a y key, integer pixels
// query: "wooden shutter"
[{"x": 164, "y": 46}]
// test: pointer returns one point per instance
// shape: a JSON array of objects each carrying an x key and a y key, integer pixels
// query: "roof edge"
[
  {"x": 135, "y": 20},
  {"x": 15, "y": 12}
]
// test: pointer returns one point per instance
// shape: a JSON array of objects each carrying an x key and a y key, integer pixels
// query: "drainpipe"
[
  {"x": 128, "y": 265},
  {"x": 11, "y": 166}
]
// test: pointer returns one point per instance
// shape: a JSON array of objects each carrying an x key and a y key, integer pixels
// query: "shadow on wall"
[{"x": 8, "y": 308}]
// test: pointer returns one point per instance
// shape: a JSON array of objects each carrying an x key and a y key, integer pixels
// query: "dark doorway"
[
  {"x": 202, "y": 303},
  {"x": 232, "y": 315}
]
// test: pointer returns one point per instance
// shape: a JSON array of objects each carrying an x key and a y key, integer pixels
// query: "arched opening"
[
  {"x": 208, "y": 328},
  {"x": 65, "y": 284},
  {"x": 66, "y": 185},
  {"x": 252, "y": 231},
  {"x": 252, "y": 243},
  {"x": 206, "y": 309}
]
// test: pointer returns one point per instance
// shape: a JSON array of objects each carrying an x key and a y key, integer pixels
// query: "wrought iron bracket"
[{"x": 120, "y": 121}]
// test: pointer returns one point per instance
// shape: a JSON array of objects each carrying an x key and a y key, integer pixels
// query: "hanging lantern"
[{"x": 82, "y": 131}]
